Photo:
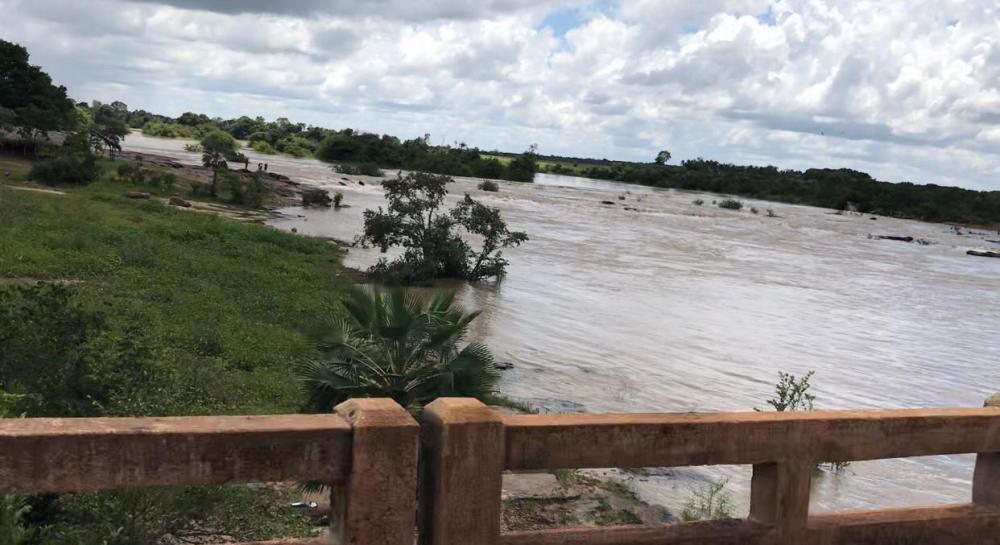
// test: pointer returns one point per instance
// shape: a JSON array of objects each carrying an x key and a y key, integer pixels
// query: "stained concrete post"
[
  {"x": 463, "y": 462},
  {"x": 986, "y": 478},
  {"x": 378, "y": 503},
  {"x": 779, "y": 498}
]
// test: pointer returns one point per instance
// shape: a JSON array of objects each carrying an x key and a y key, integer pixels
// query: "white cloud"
[{"x": 904, "y": 90}]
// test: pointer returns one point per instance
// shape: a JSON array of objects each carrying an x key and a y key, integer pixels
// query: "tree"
[
  {"x": 400, "y": 346},
  {"x": 432, "y": 247},
  {"x": 217, "y": 146},
  {"x": 523, "y": 167},
  {"x": 663, "y": 157},
  {"x": 486, "y": 222},
  {"x": 29, "y": 101}
]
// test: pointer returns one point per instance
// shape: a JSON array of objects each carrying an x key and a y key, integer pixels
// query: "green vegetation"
[
  {"x": 432, "y": 246},
  {"x": 792, "y": 394},
  {"x": 216, "y": 148},
  {"x": 316, "y": 197},
  {"x": 399, "y": 346},
  {"x": 698, "y": 202},
  {"x": 262, "y": 146},
  {"x": 365, "y": 169},
  {"x": 149, "y": 310},
  {"x": 338, "y": 199},
  {"x": 488, "y": 185},
  {"x": 708, "y": 502},
  {"x": 29, "y": 102},
  {"x": 171, "y": 130},
  {"x": 731, "y": 204}
]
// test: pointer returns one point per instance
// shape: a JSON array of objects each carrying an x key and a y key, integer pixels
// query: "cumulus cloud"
[{"x": 904, "y": 90}]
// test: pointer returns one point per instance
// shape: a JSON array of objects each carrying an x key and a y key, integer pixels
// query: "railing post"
[
  {"x": 378, "y": 503},
  {"x": 463, "y": 463},
  {"x": 986, "y": 478},
  {"x": 779, "y": 498}
]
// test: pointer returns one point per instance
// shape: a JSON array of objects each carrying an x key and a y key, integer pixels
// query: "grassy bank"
[
  {"x": 228, "y": 306},
  {"x": 170, "y": 312}
]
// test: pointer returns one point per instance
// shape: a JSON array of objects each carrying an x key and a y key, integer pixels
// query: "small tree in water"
[{"x": 433, "y": 247}]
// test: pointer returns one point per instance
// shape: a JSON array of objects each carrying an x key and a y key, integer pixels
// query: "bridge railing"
[
  {"x": 366, "y": 452},
  {"x": 467, "y": 446}
]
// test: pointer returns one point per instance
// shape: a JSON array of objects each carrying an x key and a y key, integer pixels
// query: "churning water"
[{"x": 678, "y": 307}]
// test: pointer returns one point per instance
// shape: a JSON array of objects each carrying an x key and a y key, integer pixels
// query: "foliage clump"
[
  {"x": 731, "y": 204},
  {"x": 708, "y": 502},
  {"x": 363, "y": 169},
  {"x": 316, "y": 197},
  {"x": 431, "y": 240},
  {"x": 400, "y": 346},
  {"x": 489, "y": 185}
]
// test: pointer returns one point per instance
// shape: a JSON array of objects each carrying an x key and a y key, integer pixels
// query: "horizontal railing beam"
[
  {"x": 951, "y": 525},
  {"x": 76, "y": 454},
  {"x": 650, "y": 440}
]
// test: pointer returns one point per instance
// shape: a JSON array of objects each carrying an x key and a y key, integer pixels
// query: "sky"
[{"x": 907, "y": 90}]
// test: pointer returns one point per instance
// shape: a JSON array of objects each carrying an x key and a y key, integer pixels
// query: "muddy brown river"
[{"x": 678, "y": 307}]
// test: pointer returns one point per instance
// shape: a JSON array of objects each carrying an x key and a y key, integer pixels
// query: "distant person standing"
[
  {"x": 260, "y": 167},
  {"x": 246, "y": 163},
  {"x": 265, "y": 167}
]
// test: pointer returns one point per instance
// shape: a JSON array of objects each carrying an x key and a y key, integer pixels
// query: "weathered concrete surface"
[
  {"x": 652, "y": 440},
  {"x": 378, "y": 504},
  {"x": 463, "y": 459},
  {"x": 75, "y": 454},
  {"x": 986, "y": 478}
]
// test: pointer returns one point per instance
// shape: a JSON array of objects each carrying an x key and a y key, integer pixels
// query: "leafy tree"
[
  {"x": 217, "y": 147},
  {"x": 432, "y": 246},
  {"x": 523, "y": 167},
  {"x": 399, "y": 346},
  {"x": 28, "y": 99},
  {"x": 663, "y": 157},
  {"x": 486, "y": 222}
]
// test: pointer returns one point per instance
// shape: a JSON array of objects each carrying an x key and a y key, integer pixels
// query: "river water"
[{"x": 678, "y": 307}]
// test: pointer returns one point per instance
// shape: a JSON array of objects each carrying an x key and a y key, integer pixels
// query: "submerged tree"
[
  {"x": 433, "y": 247},
  {"x": 400, "y": 346}
]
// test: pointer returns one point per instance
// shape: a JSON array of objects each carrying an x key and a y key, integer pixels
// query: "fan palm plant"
[{"x": 401, "y": 346}]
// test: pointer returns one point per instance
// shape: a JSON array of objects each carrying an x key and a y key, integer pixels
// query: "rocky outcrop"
[{"x": 983, "y": 254}]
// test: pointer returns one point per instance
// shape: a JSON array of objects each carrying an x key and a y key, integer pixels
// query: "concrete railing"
[
  {"x": 368, "y": 452},
  {"x": 467, "y": 446}
]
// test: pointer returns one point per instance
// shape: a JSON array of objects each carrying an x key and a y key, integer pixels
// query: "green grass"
[{"x": 230, "y": 306}]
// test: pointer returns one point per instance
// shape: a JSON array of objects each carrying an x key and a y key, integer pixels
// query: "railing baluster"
[
  {"x": 464, "y": 461},
  {"x": 779, "y": 498},
  {"x": 378, "y": 503},
  {"x": 986, "y": 478}
]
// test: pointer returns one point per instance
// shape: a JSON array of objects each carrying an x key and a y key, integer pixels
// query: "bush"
[
  {"x": 360, "y": 169},
  {"x": 753, "y": 210},
  {"x": 68, "y": 167},
  {"x": 196, "y": 148},
  {"x": 338, "y": 197},
  {"x": 698, "y": 202},
  {"x": 710, "y": 502},
  {"x": 316, "y": 197},
  {"x": 731, "y": 204},
  {"x": 263, "y": 146},
  {"x": 489, "y": 185}
]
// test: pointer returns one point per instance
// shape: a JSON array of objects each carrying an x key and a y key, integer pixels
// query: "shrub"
[
  {"x": 753, "y": 210},
  {"x": 771, "y": 214},
  {"x": 362, "y": 169},
  {"x": 489, "y": 185},
  {"x": 730, "y": 204},
  {"x": 698, "y": 202},
  {"x": 402, "y": 347},
  {"x": 196, "y": 148},
  {"x": 338, "y": 197},
  {"x": 316, "y": 197},
  {"x": 263, "y": 146},
  {"x": 67, "y": 167},
  {"x": 710, "y": 502}
]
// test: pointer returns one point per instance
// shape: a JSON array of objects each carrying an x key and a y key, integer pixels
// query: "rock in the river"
[
  {"x": 177, "y": 201},
  {"x": 137, "y": 194},
  {"x": 504, "y": 365},
  {"x": 612, "y": 203},
  {"x": 983, "y": 254},
  {"x": 895, "y": 237}
]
